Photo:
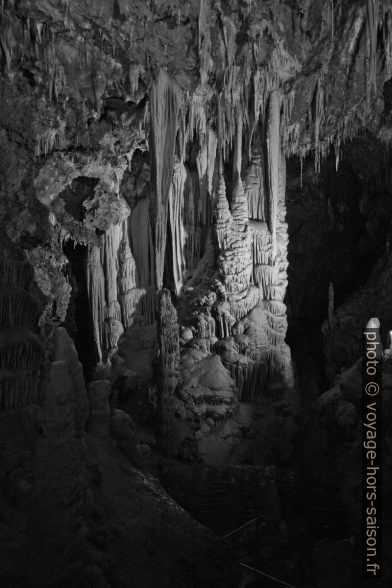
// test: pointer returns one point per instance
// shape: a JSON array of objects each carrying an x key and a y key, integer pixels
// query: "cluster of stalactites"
[
  {"x": 252, "y": 239},
  {"x": 116, "y": 299}
]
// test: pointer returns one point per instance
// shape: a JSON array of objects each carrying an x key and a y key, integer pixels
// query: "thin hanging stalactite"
[
  {"x": 273, "y": 145},
  {"x": 164, "y": 110}
]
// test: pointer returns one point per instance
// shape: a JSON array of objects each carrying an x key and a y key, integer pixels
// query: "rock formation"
[{"x": 200, "y": 191}]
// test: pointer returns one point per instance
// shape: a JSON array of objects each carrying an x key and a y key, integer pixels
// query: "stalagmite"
[
  {"x": 64, "y": 351},
  {"x": 96, "y": 295},
  {"x": 164, "y": 109},
  {"x": 222, "y": 211},
  {"x": 273, "y": 143},
  {"x": 169, "y": 346}
]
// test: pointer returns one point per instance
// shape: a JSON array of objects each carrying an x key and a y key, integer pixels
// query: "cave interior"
[{"x": 196, "y": 214}]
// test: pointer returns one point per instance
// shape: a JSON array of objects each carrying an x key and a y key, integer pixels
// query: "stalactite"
[
  {"x": 164, "y": 109},
  {"x": 275, "y": 307},
  {"x": 372, "y": 14},
  {"x": 51, "y": 138},
  {"x": 387, "y": 35},
  {"x": 229, "y": 36},
  {"x": 202, "y": 161},
  {"x": 113, "y": 327},
  {"x": 332, "y": 21},
  {"x": 199, "y": 230},
  {"x": 288, "y": 105},
  {"x": 276, "y": 291},
  {"x": 176, "y": 218},
  {"x": 265, "y": 276},
  {"x": 112, "y": 240},
  {"x": 318, "y": 119},
  {"x": 127, "y": 280},
  {"x": 133, "y": 77},
  {"x": 254, "y": 188},
  {"x": 204, "y": 42},
  {"x": 273, "y": 143},
  {"x": 262, "y": 243},
  {"x": 239, "y": 205},
  {"x": 212, "y": 144},
  {"x": 191, "y": 247},
  {"x": 96, "y": 295}
]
